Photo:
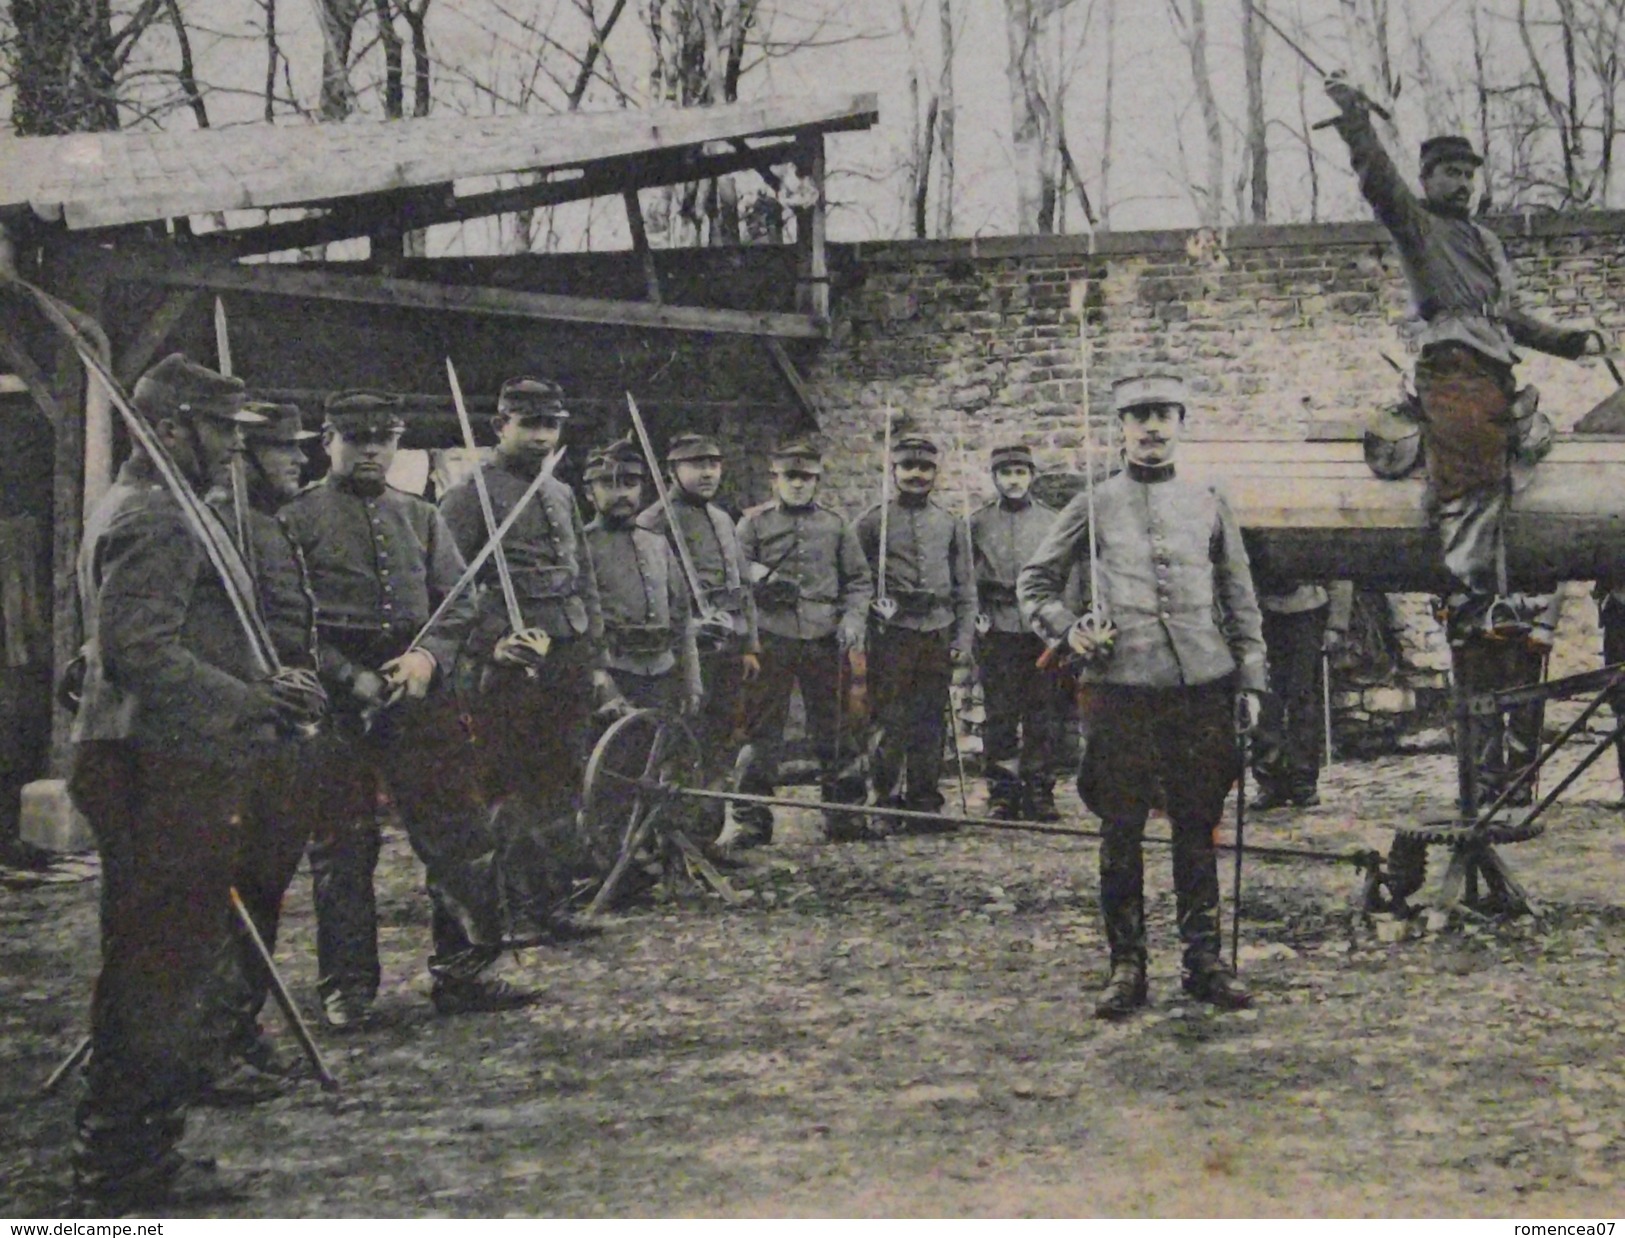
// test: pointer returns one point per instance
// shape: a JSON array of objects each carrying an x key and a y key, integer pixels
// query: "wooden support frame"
[
  {"x": 144, "y": 347},
  {"x": 326, "y": 285},
  {"x": 786, "y": 366}
]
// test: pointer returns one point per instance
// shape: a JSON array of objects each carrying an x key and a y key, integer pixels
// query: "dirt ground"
[{"x": 903, "y": 1028}]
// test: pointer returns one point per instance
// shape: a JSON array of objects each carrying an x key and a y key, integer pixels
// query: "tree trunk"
[
  {"x": 1030, "y": 121},
  {"x": 1252, "y": 45},
  {"x": 1194, "y": 35},
  {"x": 1108, "y": 109},
  {"x": 66, "y": 67},
  {"x": 945, "y": 122},
  {"x": 337, "y": 19}
]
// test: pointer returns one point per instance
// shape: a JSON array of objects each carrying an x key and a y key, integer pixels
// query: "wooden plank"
[
  {"x": 108, "y": 179},
  {"x": 291, "y": 281}
]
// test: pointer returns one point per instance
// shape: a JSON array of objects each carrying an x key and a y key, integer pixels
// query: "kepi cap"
[
  {"x": 914, "y": 447},
  {"x": 618, "y": 459},
  {"x": 1447, "y": 148},
  {"x": 353, "y": 412},
  {"x": 798, "y": 453},
  {"x": 532, "y": 397},
  {"x": 1140, "y": 390},
  {"x": 179, "y": 386},
  {"x": 693, "y": 447},
  {"x": 1011, "y": 453},
  {"x": 284, "y": 423}
]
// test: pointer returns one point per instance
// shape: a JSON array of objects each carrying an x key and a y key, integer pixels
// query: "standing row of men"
[{"x": 202, "y": 770}]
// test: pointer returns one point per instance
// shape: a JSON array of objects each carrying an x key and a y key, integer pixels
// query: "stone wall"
[{"x": 977, "y": 342}]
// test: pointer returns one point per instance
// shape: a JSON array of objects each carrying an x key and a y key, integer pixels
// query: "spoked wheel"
[{"x": 634, "y": 770}]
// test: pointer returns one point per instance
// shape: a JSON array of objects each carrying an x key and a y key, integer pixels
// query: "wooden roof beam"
[
  {"x": 292, "y": 281},
  {"x": 605, "y": 178}
]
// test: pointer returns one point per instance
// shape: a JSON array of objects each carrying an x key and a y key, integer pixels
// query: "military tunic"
[
  {"x": 1160, "y": 723},
  {"x": 170, "y": 716},
  {"x": 532, "y": 723},
  {"x": 648, "y": 625},
  {"x": 379, "y": 561},
  {"x": 810, "y": 580},
  {"x": 1024, "y": 738},
  {"x": 928, "y": 574}
]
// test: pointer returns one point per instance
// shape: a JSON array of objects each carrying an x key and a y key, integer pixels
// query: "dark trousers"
[
  {"x": 909, "y": 675},
  {"x": 166, "y": 830},
  {"x": 1467, "y": 426},
  {"x": 1612, "y": 615},
  {"x": 814, "y": 665},
  {"x": 1505, "y": 743},
  {"x": 1173, "y": 745},
  {"x": 418, "y": 751},
  {"x": 1287, "y": 751},
  {"x": 276, "y": 825},
  {"x": 663, "y": 691},
  {"x": 531, "y": 734},
  {"x": 1026, "y": 718}
]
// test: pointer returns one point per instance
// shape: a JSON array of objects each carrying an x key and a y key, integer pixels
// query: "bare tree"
[
  {"x": 69, "y": 55},
  {"x": 1258, "y": 151},
  {"x": 947, "y": 115},
  {"x": 1190, "y": 26},
  {"x": 1032, "y": 127}
]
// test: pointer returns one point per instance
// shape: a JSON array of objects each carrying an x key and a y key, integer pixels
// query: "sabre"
[
  {"x": 677, "y": 538},
  {"x": 486, "y": 551},
  {"x": 279, "y": 990},
  {"x": 1326, "y": 700},
  {"x": 884, "y": 606},
  {"x": 970, "y": 551},
  {"x": 510, "y": 599},
  {"x": 200, "y": 521},
  {"x": 1095, "y": 621},
  {"x": 284, "y": 999},
  {"x": 236, "y": 470},
  {"x": 1309, "y": 60},
  {"x": 1241, "y": 826}
]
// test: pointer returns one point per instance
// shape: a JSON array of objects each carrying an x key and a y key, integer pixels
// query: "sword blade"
[{"x": 510, "y": 599}]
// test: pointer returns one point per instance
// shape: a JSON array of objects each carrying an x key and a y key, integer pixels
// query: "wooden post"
[
  {"x": 640, "y": 242},
  {"x": 812, "y": 281}
]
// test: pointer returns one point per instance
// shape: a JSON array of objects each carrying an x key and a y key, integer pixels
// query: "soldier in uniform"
[
  {"x": 277, "y": 820},
  {"x": 725, "y": 627},
  {"x": 177, "y": 704},
  {"x": 379, "y": 562},
  {"x": 923, "y": 625},
  {"x": 1301, "y": 625},
  {"x": 1180, "y": 665},
  {"x": 1024, "y": 738},
  {"x": 812, "y": 591},
  {"x": 648, "y": 626},
  {"x": 1465, "y": 292},
  {"x": 535, "y": 687}
]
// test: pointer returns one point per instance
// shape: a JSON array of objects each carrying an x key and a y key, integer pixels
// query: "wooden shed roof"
[{"x": 98, "y": 180}]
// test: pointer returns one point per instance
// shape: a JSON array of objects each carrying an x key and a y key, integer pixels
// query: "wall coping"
[{"x": 1244, "y": 237}]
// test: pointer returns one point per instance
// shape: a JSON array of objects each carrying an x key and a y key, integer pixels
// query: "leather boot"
[
  {"x": 1041, "y": 802},
  {"x": 1122, "y": 908},
  {"x": 1196, "y": 896},
  {"x": 1208, "y": 979},
  {"x": 1003, "y": 792},
  {"x": 1124, "y": 993}
]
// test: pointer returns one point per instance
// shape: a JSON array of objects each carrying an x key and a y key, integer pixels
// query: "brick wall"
[{"x": 1274, "y": 327}]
